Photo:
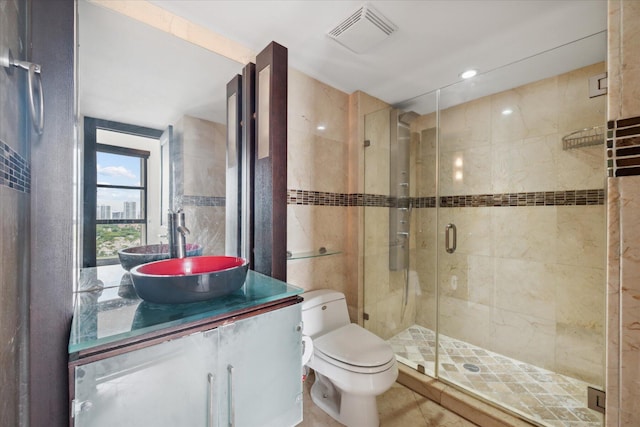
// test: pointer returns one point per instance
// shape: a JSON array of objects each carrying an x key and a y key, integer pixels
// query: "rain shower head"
[{"x": 408, "y": 117}]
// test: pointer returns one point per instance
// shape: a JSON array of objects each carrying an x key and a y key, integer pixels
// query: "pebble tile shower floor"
[{"x": 549, "y": 398}]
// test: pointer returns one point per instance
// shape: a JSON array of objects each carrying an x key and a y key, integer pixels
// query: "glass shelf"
[{"x": 322, "y": 251}]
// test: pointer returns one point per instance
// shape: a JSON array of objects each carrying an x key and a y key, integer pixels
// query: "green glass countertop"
[{"x": 107, "y": 309}]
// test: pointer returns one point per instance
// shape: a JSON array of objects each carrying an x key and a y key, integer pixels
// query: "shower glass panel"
[
  {"x": 521, "y": 299},
  {"x": 502, "y": 291},
  {"x": 400, "y": 230}
]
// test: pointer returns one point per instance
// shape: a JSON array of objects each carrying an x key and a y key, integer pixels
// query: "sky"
[{"x": 114, "y": 169}]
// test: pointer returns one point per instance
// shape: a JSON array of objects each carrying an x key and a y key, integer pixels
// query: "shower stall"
[{"x": 484, "y": 252}]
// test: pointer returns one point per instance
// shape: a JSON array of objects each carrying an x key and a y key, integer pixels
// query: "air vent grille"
[
  {"x": 379, "y": 21},
  {"x": 347, "y": 23},
  {"x": 363, "y": 30}
]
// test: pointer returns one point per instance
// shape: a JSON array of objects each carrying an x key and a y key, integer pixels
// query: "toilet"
[{"x": 352, "y": 365}]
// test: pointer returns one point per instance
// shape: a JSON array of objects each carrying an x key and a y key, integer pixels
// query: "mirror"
[{"x": 162, "y": 99}]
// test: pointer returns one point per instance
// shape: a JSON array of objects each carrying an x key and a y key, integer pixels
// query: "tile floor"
[
  {"x": 398, "y": 407},
  {"x": 549, "y": 398}
]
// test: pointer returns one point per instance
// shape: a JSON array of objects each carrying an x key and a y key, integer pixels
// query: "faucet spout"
[{"x": 177, "y": 235}]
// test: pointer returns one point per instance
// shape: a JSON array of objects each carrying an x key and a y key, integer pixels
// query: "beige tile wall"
[
  {"x": 623, "y": 275},
  {"x": 318, "y": 161},
  {"x": 204, "y": 156}
]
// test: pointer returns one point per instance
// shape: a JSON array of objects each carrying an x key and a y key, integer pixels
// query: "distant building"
[
  {"x": 103, "y": 212},
  {"x": 117, "y": 215},
  {"x": 130, "y": 210}
]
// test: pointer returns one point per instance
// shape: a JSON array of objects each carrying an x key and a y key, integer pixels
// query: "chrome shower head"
[{"x": 408, "y": 117}]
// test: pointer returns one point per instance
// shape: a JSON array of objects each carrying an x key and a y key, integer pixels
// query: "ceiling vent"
[{"x": 363, "y": 30}]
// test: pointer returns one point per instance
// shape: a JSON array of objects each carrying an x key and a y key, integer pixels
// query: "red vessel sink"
[{"x": 182, "y": 280}]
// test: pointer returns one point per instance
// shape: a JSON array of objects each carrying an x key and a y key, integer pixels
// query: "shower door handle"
[{"x": 450, "y": 244}]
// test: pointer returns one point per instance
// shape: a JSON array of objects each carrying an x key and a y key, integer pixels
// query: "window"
[
  {"x": 121, "y": 189},
  {"x": 121, "y": 200}
]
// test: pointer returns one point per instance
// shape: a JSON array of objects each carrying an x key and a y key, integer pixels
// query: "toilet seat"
[{"x": 355, "y": 349}]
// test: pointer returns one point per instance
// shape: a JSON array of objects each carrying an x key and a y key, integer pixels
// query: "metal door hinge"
[
  {"x": 77, "y": 407},
  {"x": 596, "y": 399},
  {"x": 598, "y": 85},
  {"x": 367, "y": 143},
  {"x": 365, "y": 316}
]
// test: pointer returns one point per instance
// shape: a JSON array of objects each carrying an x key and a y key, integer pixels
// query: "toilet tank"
[{"x": 323, "y": 311}]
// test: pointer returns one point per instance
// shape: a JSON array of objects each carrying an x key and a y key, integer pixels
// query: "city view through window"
[{"x": 120, "y": 203}]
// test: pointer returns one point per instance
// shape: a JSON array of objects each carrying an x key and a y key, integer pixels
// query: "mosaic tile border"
[
  {"x": 323, "y": 198},
  {"x": 623, "y": 147},
  {"x": 539, "y": 198},
  {"x": 203, "y": 201},
  {"x": 15, "y": 171}
]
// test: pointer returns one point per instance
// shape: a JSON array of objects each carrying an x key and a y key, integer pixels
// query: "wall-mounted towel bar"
[{"x": 34, "y": 81}]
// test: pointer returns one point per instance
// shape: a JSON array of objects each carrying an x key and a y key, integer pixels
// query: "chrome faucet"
[{"x": 178, "y": 232}]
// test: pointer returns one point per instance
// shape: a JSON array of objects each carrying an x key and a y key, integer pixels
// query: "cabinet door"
[
  {"x": 168, "y": 384},
  {"x": 260, "y": 370}
]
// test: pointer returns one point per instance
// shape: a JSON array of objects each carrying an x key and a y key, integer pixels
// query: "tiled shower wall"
[
  {"x": 201, "y": 180},
  {"x": 15, "y": 181},
  {"x": 623, "y": 221},
  {"x": 527, "y": 278}
]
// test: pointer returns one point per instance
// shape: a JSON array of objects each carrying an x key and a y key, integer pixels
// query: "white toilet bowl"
[{"x": 352, "y": 365}]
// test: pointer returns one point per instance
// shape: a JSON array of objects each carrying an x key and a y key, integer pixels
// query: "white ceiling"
[{"x": 435, "y": 42}]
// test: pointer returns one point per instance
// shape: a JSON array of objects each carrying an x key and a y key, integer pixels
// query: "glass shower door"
[
  {"x": 399, "y": 230},
  {"x": 520, "y": 246}
]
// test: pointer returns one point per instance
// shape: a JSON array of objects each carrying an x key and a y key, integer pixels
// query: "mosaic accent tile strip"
[
  {"x": 623, "y": 147},
  {"x": 539, "y": 198},
  {"x": 423, "y": 202},
  {"x": 379, "y": 200},
  {"x": 316, "y": 198},
  {"x": 549, "y": 398},
  {"x": 203, "y": 201},
  {"x": 15, "y": 171},
  {"x": 323, "y": 198}
]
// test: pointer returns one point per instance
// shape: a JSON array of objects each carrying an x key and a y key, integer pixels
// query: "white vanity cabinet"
[
  {"x": 241, "y": 373},
  {"x": 167, "y": 384},
  {"x": 260, "y": 370}
]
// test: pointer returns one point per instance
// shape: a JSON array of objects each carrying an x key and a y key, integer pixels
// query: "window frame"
[{"x": 90, "y": 185}]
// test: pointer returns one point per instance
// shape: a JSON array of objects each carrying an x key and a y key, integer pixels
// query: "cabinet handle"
[
  {"x": 450, "y": 248},
  {"x": 210, "y": 380},
  {"x": 232, "y": 409}
]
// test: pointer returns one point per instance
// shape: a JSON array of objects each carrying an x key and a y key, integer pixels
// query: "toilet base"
[{"x": 349, "y": 409}]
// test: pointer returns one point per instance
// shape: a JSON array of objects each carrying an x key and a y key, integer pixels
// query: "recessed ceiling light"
[
  {"x": 321, "y": 127},
  {"x": 468, "y": 74},
  {"x": 507, "y": 111}
]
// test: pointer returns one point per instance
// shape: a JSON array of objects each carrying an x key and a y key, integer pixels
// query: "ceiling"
[{"x": 435, "y": 41}]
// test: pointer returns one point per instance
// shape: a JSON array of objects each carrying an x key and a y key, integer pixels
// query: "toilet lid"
[{"x": 354, "y": 345}]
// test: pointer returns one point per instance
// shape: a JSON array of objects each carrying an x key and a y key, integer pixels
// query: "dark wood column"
[
  {"x": 233, "y": 202},
  {"x": 248, "y": 159},
  {"x": 270, "y": 182}
]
